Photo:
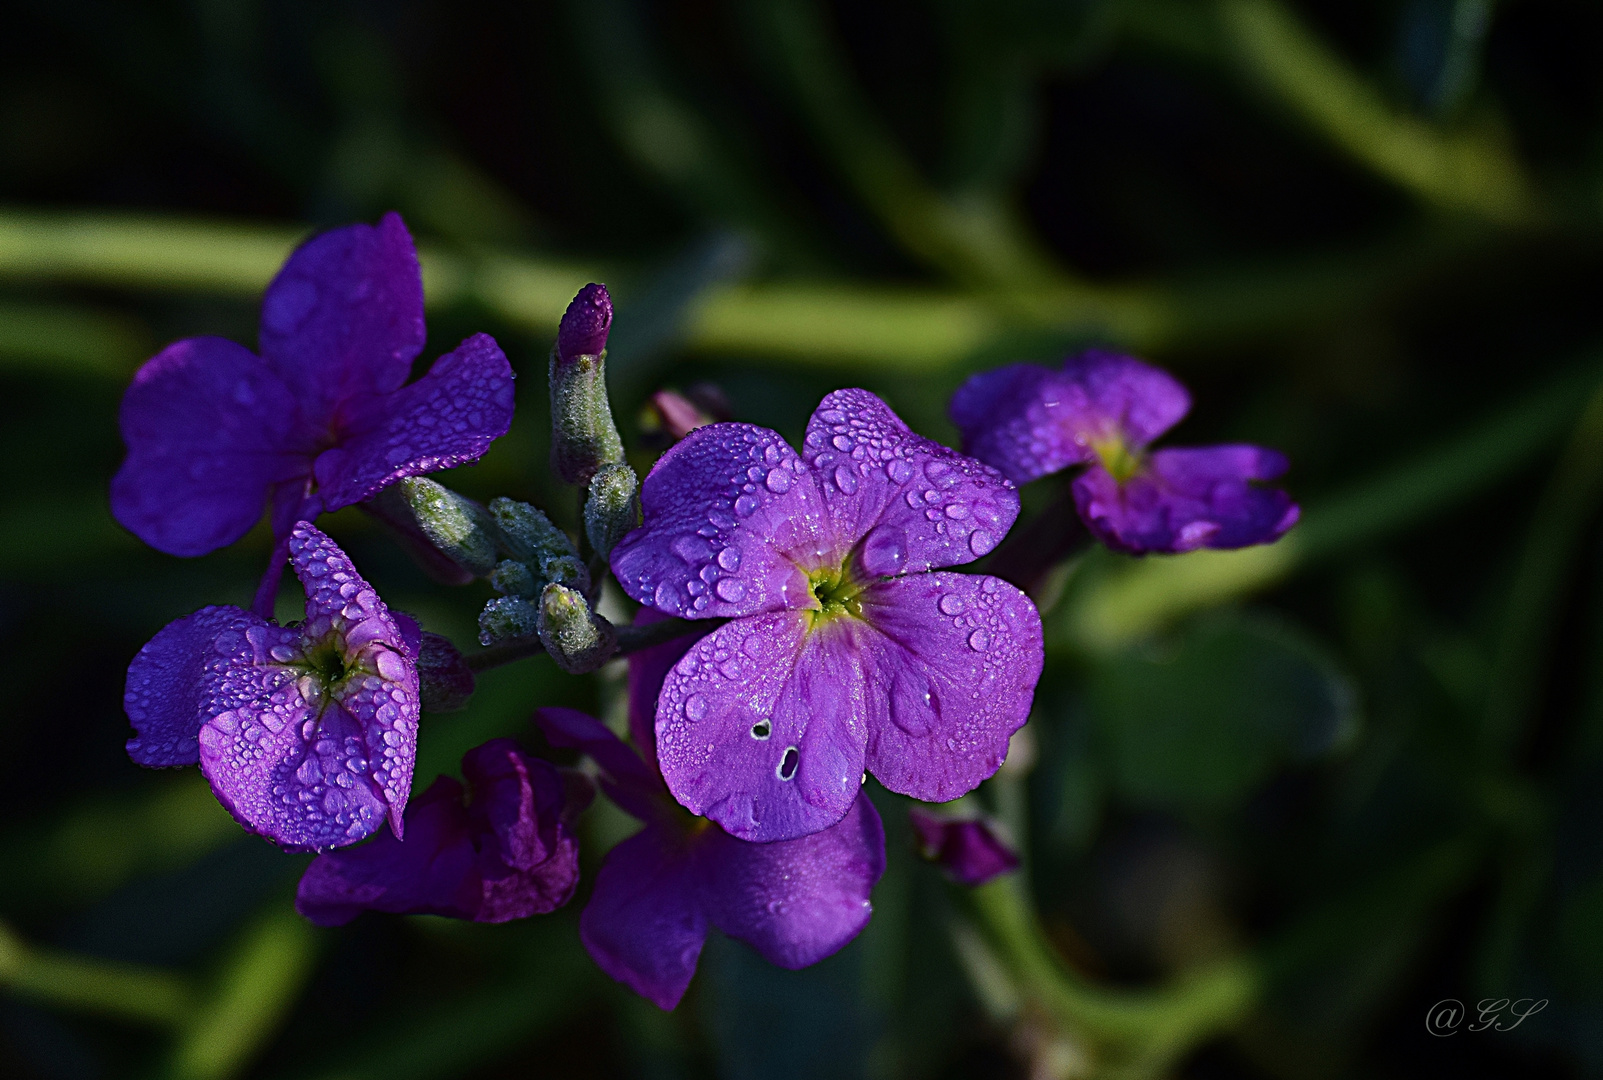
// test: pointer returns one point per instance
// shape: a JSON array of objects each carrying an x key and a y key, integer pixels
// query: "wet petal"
[
  {"x": 1183, "y": 499},
  {"x": 165, "y": 696},
  {"x": 644, "y": 925},
  {"x": 722, "y": 511},
  {"x": 344, "y": 317},
  {"x": 209, "y": 429},
  {"x": 969, "y": 851},
  {"x": 906, "y": 503},
  {"x": 760, "y": 726},
  {"x": 648, "y": 668},
  {"x": 430, "y": 872},
  {"x": 796, "y": 901},
  {"x": 952, "y": 665},
  {"x": 1029, "y": 421},
  {"x": 447, "y": 418}
]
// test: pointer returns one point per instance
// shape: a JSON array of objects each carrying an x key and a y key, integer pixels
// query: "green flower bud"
[
  {"x": 613, "y": 507},
  {"x": 583, "y": 435},
  {"x": 452, "y": 536},
  {"x": 577, "y": 639},
  {"x": 507, "y": 618}
]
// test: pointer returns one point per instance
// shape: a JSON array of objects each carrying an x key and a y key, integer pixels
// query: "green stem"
[
  {"x": 128, "y": 991},
  {"x": 1128, "y": 1033}
]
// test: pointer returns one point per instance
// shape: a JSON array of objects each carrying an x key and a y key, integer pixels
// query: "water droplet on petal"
[
  {"x": 729, "y": 559},
  {"x": 745, "y": 506},
  {"x": 980, "y": 542},
  {"x": 884, "y": 551},
  {"x": 899, "y": 470},
  {"x": 846, "y": 480},
  {"x": 979, "y": 640},
  {"x": 696, "y": 707},
  {"x": 778, "y": 481},
  {"x": 730, "y": 590},
  {"x": 952, "y": 604}
]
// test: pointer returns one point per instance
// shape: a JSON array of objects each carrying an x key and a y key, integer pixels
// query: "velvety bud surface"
[{"x": 584, "y": 327}]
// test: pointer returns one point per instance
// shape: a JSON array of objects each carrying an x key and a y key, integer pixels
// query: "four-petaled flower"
[
  {"x": 847, "y": 648},
  {"x": 795, "y": 902},
  {"x": 1101, "y": 410},
  {"x": 508, "y": 854},
  {"x": 307, "y": 733},
  {"x": 322, "y": 419}
]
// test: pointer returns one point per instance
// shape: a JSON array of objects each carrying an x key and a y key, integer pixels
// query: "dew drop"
[
  {"x": 846, "y": 480},
  {"x": 696, "y": 707},
  {"x": 730, "y": 590},
  {"x": 979, "y": 640},
  {"x": 729, "y": 559},
  {"x": 980, "y": 542},
  {"x": 745, "y": 506},
  {"x": 778, "y": 481},
  {"x": 952, "y": 604},
  {"x": 899, "y": 471},
  {"x": 884, "y": 551}
]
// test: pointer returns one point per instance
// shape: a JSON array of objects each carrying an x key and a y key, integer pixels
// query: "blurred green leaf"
[{"x": 1199, "y": 721}]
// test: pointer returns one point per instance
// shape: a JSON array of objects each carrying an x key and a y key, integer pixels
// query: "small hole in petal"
[
  {"x": 762, "y": 729},
  {"x": 787, "y": 764}
]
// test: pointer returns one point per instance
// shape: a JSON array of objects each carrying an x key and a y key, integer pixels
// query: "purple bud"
[
  {"x": 969, "y": 852},
  {"x": 584, "y": 327}
]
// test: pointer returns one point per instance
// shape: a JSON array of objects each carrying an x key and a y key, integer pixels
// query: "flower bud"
[
  {"x": 583, "y": 435},
  {"x": 445, "y": 682},
  {"x": 577, "y": 639},
  {"x": 450, "y": 535},
  {"x": 613, "y": 508},
  {"x": 545, "y": 550},
  {"x": 968, "y": 851},
  {"x": 507, "y": 618}
]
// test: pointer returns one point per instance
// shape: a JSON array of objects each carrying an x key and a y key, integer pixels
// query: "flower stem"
[{"x": 131, "y": 992}]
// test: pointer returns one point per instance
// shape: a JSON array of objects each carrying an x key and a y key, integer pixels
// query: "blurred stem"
[
  {"x": 250, "y": 999},
  {"x": 976, "y": 241},
  {"x": 1567, "y": 507},
  {"x": 1469, "y": 170},
  {"x": 1128, "y": 1033},
  {"x": 127, "y": 991}
]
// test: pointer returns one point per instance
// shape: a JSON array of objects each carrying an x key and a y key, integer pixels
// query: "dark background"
[{"x": 1365, "y": 233}]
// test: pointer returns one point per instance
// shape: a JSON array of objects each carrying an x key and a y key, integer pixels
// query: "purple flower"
[
  {"x": 847, "y": 650},
  {"x": 1102, "y": 410},
  {"x": 307, "y": 732},
  {"x": 508, "y": 854},
  {"x": 795, "y": 901},
  {"x": 322, "y": 419},
  {"x": 969, "y": 851}
]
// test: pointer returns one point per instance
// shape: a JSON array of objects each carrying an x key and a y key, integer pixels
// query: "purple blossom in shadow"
[
  {"x": 795, "y": 902},
  {"x": 307, "y": 733},
  {"x": 508, "y": 853},
  {"x": 1101, "y": 410},
  {"x": 848, "y": 649},
  {"x": 585, "y": 324},
  {"x": 968, "y": 850},
  {"x": 323, "y": 418}
]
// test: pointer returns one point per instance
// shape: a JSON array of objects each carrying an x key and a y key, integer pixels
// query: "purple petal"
[
  {"x": 431, "y": 872},
  {"x": 411, "y": 634},
  {"x": 644, "y": 925},
  {"x": 344, "y": 317},
  {"x": 166, "y": 696},
  {"x": 909, "y": 504},
  {"x": 209, "y": 429},
  {"x": 584, "y": 326},
  {"x": 288, "y": 764},
  {"x": 1029, "y": 421},
  {"x": 1183, "y": 499},
  {"x": 528, "y": 856},
  {"x": 761, "y": 728},
  {"x": 723, "y": 512},
  {"x": 447, "y": 418},
  {"x": 967, "y": 850},
  {"x": 797, "y": 901},
  {"x": 648, "y": 669},
  {"x": 952, "y": 674},
  {"x": 1011, "y": 417},
  {"x": 630, "y": 782},
  {"x": 381, "y": 692}
]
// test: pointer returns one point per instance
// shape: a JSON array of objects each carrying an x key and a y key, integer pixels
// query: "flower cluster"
[{"x": 822, "y": 633}]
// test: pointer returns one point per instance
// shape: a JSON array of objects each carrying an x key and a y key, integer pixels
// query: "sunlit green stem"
[
  {"x": 1125, "y": 1033},
  {"x": 131, "y": 992}
]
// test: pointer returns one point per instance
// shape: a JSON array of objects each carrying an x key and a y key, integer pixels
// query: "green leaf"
[{"x": 1199, "y": 722}]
